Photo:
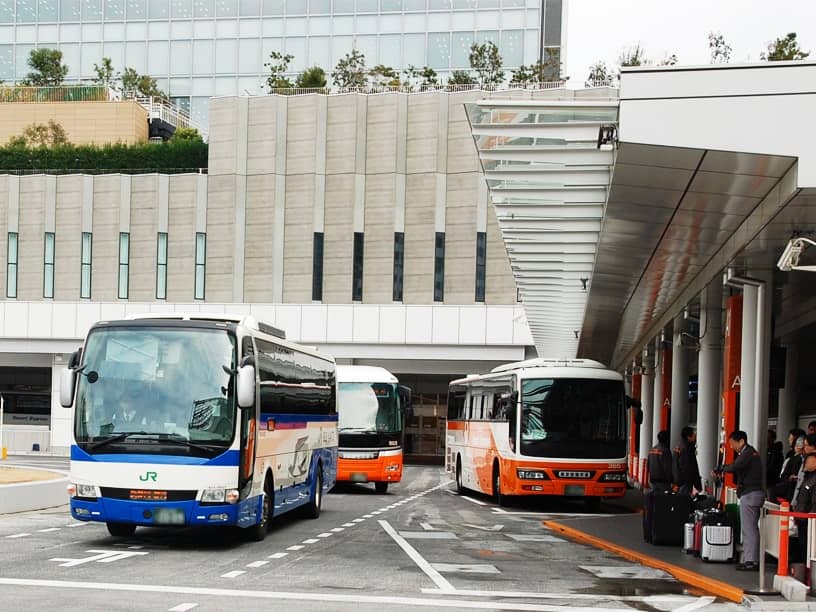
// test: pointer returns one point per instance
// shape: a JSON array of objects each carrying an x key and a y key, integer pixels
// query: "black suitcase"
[
  {"x": 669, "y": 512},
  {"x": 648, "y": 510}
]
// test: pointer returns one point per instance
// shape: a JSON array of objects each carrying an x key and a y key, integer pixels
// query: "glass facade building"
[{"x": 201, "y": 48}]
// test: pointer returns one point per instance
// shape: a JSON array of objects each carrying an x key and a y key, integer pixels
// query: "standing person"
[
  {"x": 688, "y": 472},
  {"x": 805, "y": 502},
  {"x": 812, "y": 427},
  {"x": 773, "y": 463},
  {"x": 786, "y": 484},
  {"x": 748, "y": 474},
  {"x": 808, "y": 448},
  {"x": 660, "y": 463}
]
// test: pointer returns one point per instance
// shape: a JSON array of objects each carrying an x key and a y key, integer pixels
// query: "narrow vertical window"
[
  {"x": 481, "y": 261},
  {"x": 200, "y": 260},
  {"x": 357, "y": 269},
  {"x": 399, "y": 260},
  {"x": 317, "y": 267},
  {"x": 439, "y": 267},
  {"x": 124, "y": 264},
  {"x": 48, "y": 266},
  {"x": 11, "y": 266},
  {"x": 161, "y": 266},
  {"x": 85, "y": 272}
]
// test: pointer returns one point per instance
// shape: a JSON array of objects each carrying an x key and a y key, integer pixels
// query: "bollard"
[{"x": 784, "y": 519}]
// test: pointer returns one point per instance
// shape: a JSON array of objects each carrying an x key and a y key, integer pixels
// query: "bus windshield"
[
  {"x": 573, "y": 418},
  {"x": 368, "y": 407},
  {"x": 161, "y": 390}
]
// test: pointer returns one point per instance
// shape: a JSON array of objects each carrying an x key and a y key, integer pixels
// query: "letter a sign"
[{"x": 737, "y": 383}]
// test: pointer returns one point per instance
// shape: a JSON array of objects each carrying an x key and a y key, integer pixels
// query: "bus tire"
[
  {"x": 258, "y": 531},
  {"x": 498, "y": 497},
  {"x": 312, "y": 509},
  {"x": 381, "y": 487},
  {"x": 121, "y": 530},
  {"x": 459, "y": 487}
]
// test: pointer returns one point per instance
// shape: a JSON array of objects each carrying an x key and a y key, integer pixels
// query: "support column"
[
  {"x": 762, "y": 367},
  {"x": 787, "y": 395},
  {"x": 708, "y": 384},
  {"x": 635, "y": 392},
  {"x": 748, "y": 353},
  {"x": 679, "y": 387},
  {"x": 657, "y": 413},
  {"x": 646, "y": 404}
]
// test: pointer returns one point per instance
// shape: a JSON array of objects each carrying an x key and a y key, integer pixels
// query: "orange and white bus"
[
  {"x": 371, "y": 408},
  {"x": 539, "y": 427}
]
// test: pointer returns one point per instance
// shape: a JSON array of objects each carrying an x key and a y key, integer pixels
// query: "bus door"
[{"x": 248, "y": 418}]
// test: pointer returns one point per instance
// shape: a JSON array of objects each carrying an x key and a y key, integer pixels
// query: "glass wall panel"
[
  {"x": 114, "y": 31},
  {"x": 272, "y": 7},
  {"x": 252, "y": 84},
  {"x": 268, "y": 45},
  {"x": 204, "y": 28},
  {"x": 531, "y": 46},
  {"x": 552, "y": 23},
  {"x": 320, "y": 52},
  {"x": 49, "y": 11},
  {"x": 158, "y": 30},
  {"x": 391, "y": 51},
  {"x": 367, "y": 6},
  {"x": 158, "y": 9},
  {"x": 343, "y": 25},
  {"x": 135, "y": 30},
  {"x": 485, "y": 35},
  {"x": 249, "y": 8},
  {"x": 181, "y": 89},
  {"x": 297, "y": 47},
  {"x": 343, "y": 6},
  {"x": 21, "y": 53},
  {"x": 136, "y": 9},
  {"x": 439, "y": 5},
  {"x": 295, "y": 7},
  {"x": 25, "y": 33},
  {"x": 512, "y": 20},
  {"x": 340, "y": 46},
  {"x": 296, "y": 26},
  {"x": 226, "y": 28},
  {"x": 226, "y": 8},
  {"x": 439, "y": 49},
  {"x": 200, "y": 109},
  {"x": 249, "y": 56},
  {"x": 483, "y": 4},
  {"x": 249, "y": 28},
  {"x": 70, "y": 57},
  {"x": 415, "y": 22},
  {"x": 390, "y": 23},
  {"x": 6, "y": 62},
  {"x": 158, "y": 58},
  {"x": 226, "y": 60},
  {"x": 463, "y": 20},
  {"x": 181, "y": 9},
  {"x": 415, "y": 5},
  {"x": 26, "y": 11},
  {"x": 114, "y": 10},
  {"x": 6, "y": 11},
  {"x": 91, "y": 10},
  {"x": 464, "y": 4},
  {"x": 181, "y": 29},
  {"x": 460, "y": 51},
  {"x": 91, "y": 32},
  {"x": 202, "y": 86},
  {"x": 512, "y": 47},
  {"x": 367, "y": 45},
  {"x": 320, "y": 26},
  {"x": 70, "y": 10},
  {"x": 91, "y": 54},
  {"x": 320, "y": 7},
  {"x": 390, "y": 5},
  {"x": 116, "y": 52},
  {"x": 181, "y": 57},
  {"x": 512, "y": 3},
  {"x": 203, "y": 8},
  {"x": 136, "y": 56},
  {"x": 413, "y": 50}
]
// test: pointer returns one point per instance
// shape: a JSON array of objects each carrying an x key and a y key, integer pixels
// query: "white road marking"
[
  {"x": 101, "y": 556},
  {"x": 311, "y": 541},
  {"x": 428, "y": 535},
  {"x": 321, "y": 597},
  {"x": 427, "y": 526},
  {"x": 278, "y": 555},
  {"x": 325, "y": 534},
  {"x": 466, "y": 568},
  {"x": 137, "y": 547},
  {"x": 337, "y": 529},
  {"x": 475, "y": 501},
  {"x": 183, "y": 607},
  {"x": 348, "y": 524},
  {"x": 483, "y": 528},
  {"x": 358, "y": 520},
  {"x": 255, "y": 564},
  {"x": 700, "y": 603},
  {"x": 233, "y": 574},
  {"x": 18, "y": 535},
  {"x": 367, "y": 515},
  {"x": 376, "y": 512},
  {"x": 626, "y": 571},
  {"x": 426, "y": 567},
  {"x": 295, "y": 547},
  {"x": 49, "y": 530},
  {"x": 521, "y": 537},
  {"x": 672, "y": 599},
  {"x": 77, "y": 524}
]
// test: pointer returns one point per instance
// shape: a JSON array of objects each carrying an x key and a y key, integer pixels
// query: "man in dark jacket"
[
  {"x": 748, "y": 474},
  {"x": 660, "y": 463},
  {"x": 773, "y": 464},
  {"x": 805, "y": 502},
  {"x": 688, "y": 472}
]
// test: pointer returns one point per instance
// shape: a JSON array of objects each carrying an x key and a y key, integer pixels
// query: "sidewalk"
[
  {"x": 622, "y": 534},
  {"x": 24, "y": 488}
]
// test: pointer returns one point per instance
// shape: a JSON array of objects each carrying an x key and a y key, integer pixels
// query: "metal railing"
[
  {"x": 452, "y": 88},
  {"x": 15, "y": 94},
  {"x": 32, "y": 171},
  {"x": 164, "y": 110}
]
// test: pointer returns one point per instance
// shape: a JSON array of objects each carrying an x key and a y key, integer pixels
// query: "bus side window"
[{"x": 456, "y": 403}]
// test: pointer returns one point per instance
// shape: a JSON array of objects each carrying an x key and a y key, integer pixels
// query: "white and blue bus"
[{"x": 198, "y": 420}]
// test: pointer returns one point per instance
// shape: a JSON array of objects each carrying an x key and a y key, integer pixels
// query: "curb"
[
  {"x": 37, "y": 495},
  {"x": 710, "y": 585}
]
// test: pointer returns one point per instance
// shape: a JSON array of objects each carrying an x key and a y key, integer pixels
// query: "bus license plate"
[
  {"x": 574, "y": 490},
  {"x": 168, "y": 516},
  {"x": 358, "y": 477}
]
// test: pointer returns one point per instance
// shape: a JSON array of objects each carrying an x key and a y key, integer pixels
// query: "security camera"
[{"x": 790, "y": 256}]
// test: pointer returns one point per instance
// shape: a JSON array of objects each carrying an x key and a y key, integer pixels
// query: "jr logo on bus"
[{"x": 148, "y": 476}]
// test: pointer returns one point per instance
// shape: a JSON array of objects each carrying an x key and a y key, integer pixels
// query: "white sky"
[{"x": 600, "y": 29}]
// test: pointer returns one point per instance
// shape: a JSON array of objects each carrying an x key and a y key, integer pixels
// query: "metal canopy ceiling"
[
  {"x": 548, "y": 183},
  {"x": 669, "y": 211}
]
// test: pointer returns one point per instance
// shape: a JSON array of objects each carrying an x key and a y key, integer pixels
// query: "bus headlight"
[
  {"x": 83, "y": 490},
  {"x": 214, "y": 496},
  {"x": 614, "y": 477},
  {"x": 532, "y": 475},
  {"x": 393, "y": 467}
]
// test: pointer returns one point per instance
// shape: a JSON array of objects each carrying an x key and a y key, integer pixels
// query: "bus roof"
[
  {"x": 547, "y": 368},
  {"x": 367, "y": 374},
  {"x": 545, "y": 362}
]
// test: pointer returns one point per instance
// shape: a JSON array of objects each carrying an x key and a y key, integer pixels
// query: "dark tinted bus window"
[
  {"x": 293, "y": 382},
  {"x": 456, "y": 402}
]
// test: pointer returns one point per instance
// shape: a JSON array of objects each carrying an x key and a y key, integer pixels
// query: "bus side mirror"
[
  {"x": 245, "y": 385},
  {"x": 67, "y": 386},
  {"x": 76, "y": 357}
]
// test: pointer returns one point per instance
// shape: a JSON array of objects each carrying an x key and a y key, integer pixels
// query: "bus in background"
[
  {"x": 372, "y": 409},
  {"x": 539, "y": 427},
  {"x": 198, "y": 420}
]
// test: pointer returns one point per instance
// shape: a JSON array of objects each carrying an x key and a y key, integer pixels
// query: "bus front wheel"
[
  {"x": 497, "y": 492},
  {"x": 312, "y": 509},
  {"x": 121, "y": 530},
  {"x": 381, "y": 487},
  {"x": 257, "y": 532},
  {"x": 459, "y": 487}
]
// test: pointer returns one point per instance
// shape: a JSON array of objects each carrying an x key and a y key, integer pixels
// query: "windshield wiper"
[
  {"x": 115, "y": 438},
  {"x": 177, "y": 439}
]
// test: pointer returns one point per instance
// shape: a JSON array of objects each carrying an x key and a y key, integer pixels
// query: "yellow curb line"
[{"x": 710, "y": 585}]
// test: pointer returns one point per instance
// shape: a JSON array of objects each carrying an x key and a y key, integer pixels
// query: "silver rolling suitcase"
[{"x": 717, "y": 543}]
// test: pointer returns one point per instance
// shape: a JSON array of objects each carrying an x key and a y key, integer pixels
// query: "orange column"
[
  {"x": 634, "y": 428},
  {"x": 731, "y": 376}
]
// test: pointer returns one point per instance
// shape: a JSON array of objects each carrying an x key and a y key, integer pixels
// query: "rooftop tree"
[
  {"x": 47, "y": 68},
  {"x": 312, "y": 78},
  {"x": 350, "y": 71},
  {"x": 278, "y": 67},
  {"x": 785, "y": 48},
  {"x": 720, "y": 50},
  {"x": 487, "y": 63}
]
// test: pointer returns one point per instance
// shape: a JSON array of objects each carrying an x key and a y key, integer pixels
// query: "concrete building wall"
[
  {"x": 181, "y": 231},
  {"x": 84, "y": 122},
  {"x": 68, "y": 238},
  {"x": 105, "y": 261},
  {"x": 144, "y": 191},
  {"x": 30, "y": 238}
]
